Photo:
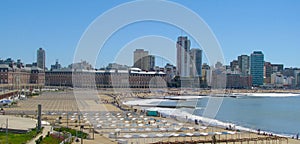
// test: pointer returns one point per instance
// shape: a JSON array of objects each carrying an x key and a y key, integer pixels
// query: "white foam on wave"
[
  {"x": 266, "y": 94},
  {"x": 184, "y": 97},
  {"x": 145, "y": 102}
]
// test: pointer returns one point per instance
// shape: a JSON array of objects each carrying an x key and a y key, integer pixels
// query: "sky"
[{"x": 240, "y": 27}]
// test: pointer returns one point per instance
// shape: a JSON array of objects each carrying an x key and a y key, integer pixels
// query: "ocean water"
[{"x": 279, "y": 115}]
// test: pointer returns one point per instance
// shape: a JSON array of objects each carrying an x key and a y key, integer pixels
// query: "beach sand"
[{"x": 64, "y": 102}]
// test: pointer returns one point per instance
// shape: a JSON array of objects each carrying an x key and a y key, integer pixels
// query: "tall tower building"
[
  {"x": 183, "y": 58},
  {"x": 244, "y": 64},
  {"x": 196, "y": 62},
  {"x": 257, "y": 68},
  {"x": 143, "y": 60},
  {"x": 41, "y": 58}
]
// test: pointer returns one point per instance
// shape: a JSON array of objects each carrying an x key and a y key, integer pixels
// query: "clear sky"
[{"x": 240, "y": 27}]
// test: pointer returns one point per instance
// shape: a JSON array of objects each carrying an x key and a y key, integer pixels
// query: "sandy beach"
[{"x": 112, "y": 121}]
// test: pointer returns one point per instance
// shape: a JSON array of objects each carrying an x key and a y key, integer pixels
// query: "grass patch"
[
  {"x": 50, "y": 140},
  {"x": 72, "y": 131},
  {"x": 18, "y": 138}
]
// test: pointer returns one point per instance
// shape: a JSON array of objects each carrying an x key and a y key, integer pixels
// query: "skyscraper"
[
  {"x": 243, "y": 62},
  {"x": 183, "y": 58},
  {"x": 196, "y": 62},
  {"x": 41, "y": 58},
  {"x": 257, "y": 68},
  {"x": 143, "y": 60}
]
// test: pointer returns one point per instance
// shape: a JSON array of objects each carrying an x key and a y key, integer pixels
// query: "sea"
[{"x": 273, "y": 113}]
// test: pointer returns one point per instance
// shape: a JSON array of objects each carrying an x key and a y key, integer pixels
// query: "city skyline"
[{"x": 256, "y": 26}]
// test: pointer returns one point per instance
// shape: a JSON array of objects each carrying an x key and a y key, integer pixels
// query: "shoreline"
[{"x": 239, "y": 128}]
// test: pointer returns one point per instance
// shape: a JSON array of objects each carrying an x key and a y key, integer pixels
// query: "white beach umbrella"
[
  {"x": 148, "y": 129},
  {"x": 163, "y": 129},
  {"x": 204, "y": 134},
  {"x": 99, "y": 125},
  {"x": 127, "y": 125},
  {"x": 133, "y": 129},
  {"x": 140, "y": 125},
  {"x": 117, "y": 130},
  {"x": 127, "y": 136},
  {"x": 113, "y": 125},
  {"x": 190, "y": 135}
]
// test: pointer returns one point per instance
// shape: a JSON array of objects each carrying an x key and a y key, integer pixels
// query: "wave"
[{"x": 265, "y": 94}]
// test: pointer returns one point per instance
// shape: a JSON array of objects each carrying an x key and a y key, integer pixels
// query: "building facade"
[
  {"x": 257, "y": 68},
  {"x": 41, "y": 58},
  {"x": 132, "y": 78},
  {"x": 196, "y": 62},
  {"x": 183, "y": 58},
  {"x": 244, "y": 64},
  {"x": 21, "y": 77}
]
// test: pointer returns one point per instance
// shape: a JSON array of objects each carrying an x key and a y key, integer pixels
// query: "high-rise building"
[
  {"x": 196, "y": 62},
  {"x": 267, "y": 72},
  {"x": 243, "y": 62},
  {"x": 234, "y": 65},
  {"x": 41, "y": 58},
  {"x": 257, "y": 68},
  {"x": 143, "y": 60},
  {"x": 183, "y": 58}
]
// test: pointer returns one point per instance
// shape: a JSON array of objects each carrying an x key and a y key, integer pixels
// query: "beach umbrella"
[
  {"x": 147, "y": 129},
  {"x": 121, "y": 119},
  {"x": 140, "y": 125},
  {"x": 126, "y": 121},
  {"x": 168, "y": 124},
  {"x": 190, "y": 135},
  {"x": 175, "y": 135},
  {"x": 127, "y": 136},
  {"x": 113, "y": 121},
  {"x": 100, "y": 122},
  {"x": 99, "y": 125},
  {"x": 163, "y": 129},
  {"x": 133, "y": 118},
  {"x": 145, "y": 119},
  {"x": 133, "y": 129},
  {"x": 204, "y": 134},
  {"x": 159, "y": 135},
  {"x": 177, "y": 128},
  {"x": 144, "y": 136},
  {"x": 113, "y": 125},
  {"x": 127, "y": 125},
  {"x": 152, "y": 136},
  {"x": 117, "y": 130}
]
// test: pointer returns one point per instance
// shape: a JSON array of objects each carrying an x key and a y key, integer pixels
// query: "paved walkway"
[{"x": 44, "y": 133}]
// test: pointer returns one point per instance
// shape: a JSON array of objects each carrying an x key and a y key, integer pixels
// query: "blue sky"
[{"x": 240, "y": 27}]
